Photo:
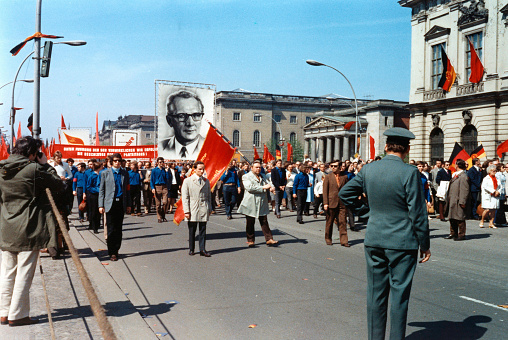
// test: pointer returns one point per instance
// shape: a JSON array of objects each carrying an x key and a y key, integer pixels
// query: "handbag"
[
  {"x": 479, "y": 210},
  {"x": 430, "y": 210},
  {"x": 82, "y": 206}
]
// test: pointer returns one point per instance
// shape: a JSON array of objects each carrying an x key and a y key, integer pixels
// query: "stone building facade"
[
  {"x": 469, "y": 114},
  {"x": 146, "y": 126}
]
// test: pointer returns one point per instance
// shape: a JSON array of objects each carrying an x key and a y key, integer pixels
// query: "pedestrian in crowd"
[
  {"x": 64, "y": 171},
  {"x": 175, "y": 185},
  {"x": 74, "y": 169},
  {"x": 318, "y": 197},
  {"x": 490, "y": 196},
  {"x": 397, "y": 227},
  {"x": 420, "y": 165},
  {"x": 114, "y": 201},
  {"x": 255, "y": 204},
  {"x": 244, "y": 169},
  {"x": 278, "y": 177},
  {"x": 196, "y": 198},
  {"x": 310, "y": 190},
  {"x": 300, "y": 186},
  {"x": 79, "y": 188},
  {"x": 231, "y": 187},
  {"x": 443, "y": 178},
  {"x": 93, "y": 186},
  {"x": 475, "y": 180},
  {"x": 290, "y": 179},
  {"x": 88, "y": 173},
  {"x": 334, "y": 207},
  {"x": 24, "y": 177},
  {"x": 500, "y": 218},
  {"x": 434, "y": 185},
  {"x": 147, "y": 191},
  {"x": 160, "y": 181},
  {"x": 457, "y": 197},
  {"x": 350, "y": 173},
  {"x": 135, "y": 188},
  {"x": 183, "y": 176}
]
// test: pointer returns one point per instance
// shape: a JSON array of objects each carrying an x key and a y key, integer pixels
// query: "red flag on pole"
[
  {"x": 63, "y": 127},
  {"x": 278, "y": 153},
  {"x": 216, "y": 153},
  {"x": 372, "y": 147},
  {"x": 476, "y": 65},
  {"x": 502, "y": 148},
  {"x": 256, "y": 154},
  {"x": 97, "y": 143},
  {"x": 267, "y": 156},
  {"x": 290, "y": 152},
  {"x": 19, "y": 135}
]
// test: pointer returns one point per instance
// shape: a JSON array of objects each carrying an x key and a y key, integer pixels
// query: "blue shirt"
[
  {"x": 160, "y": 177},
  {"x": 230, "y": 176},
  {"x": 134, "y": 178},
  {"x": 425, "y": 186},
  {"x": 74, "y": 170},
  {"x": 88, "y": 173},
  {"x": 93, "y": 183},
  {"x": 118, "y": 182},
  {"x": 79, "y": 181},
  {"x": 301, "y": 182}
]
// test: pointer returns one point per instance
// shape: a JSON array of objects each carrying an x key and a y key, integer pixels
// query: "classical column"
[
  {"x": 321, "y": 149},
  {"x": 345, "y": 148},
  {"x": 306, "y": 147},
  {"x": 336, "y": 150},
  {"x": 329, "y": 146},
  {"x": 312, "y": 149}
]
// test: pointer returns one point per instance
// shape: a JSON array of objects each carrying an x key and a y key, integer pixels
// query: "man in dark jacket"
[
  {"x": 475, "y": 180},
  {"x": 278, "y": 176},
  {"x": 27, "y": 225}
]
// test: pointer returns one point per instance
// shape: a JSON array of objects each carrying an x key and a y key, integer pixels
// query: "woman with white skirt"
[{"x": 490, "y": 196}]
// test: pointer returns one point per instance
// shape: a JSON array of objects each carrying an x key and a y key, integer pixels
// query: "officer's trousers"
[{"x": 389, "y": 271}]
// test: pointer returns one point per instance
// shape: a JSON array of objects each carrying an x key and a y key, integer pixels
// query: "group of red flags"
[
  {"x": 268, "y": 157},
  {"x": 449, "y": 75}
]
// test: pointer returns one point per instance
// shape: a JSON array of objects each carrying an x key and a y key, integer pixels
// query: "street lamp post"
[{"x": 317, "y": 63}]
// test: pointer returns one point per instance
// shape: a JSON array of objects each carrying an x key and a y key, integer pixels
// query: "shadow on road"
[
  {"x": 464, "y": 330},
  {"x": 146, "y": 236}
]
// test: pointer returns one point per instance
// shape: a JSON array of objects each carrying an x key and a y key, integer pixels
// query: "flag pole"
[{"x": 229, "y": 142}]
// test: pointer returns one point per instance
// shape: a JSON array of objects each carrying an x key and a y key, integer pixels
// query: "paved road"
[{"x": 302, "y": 289}]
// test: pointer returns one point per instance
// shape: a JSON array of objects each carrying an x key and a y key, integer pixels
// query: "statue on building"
[{"x": 476, "y": 11}]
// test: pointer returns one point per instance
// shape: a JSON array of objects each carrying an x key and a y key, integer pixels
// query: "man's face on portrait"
[{"x": 186, "y": 119}]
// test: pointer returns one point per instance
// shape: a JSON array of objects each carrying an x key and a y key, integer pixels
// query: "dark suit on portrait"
[
  {"x": 169, "y": 149},
  {"x": 336, "y": 208}
]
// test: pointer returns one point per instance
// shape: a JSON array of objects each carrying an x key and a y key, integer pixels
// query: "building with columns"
[
  {"x": 327, "y": 137},
  {"x": 469, "y": 114}
]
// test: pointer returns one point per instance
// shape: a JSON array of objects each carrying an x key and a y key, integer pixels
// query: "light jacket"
[
  {"x": 255, "y": 200},
  {"x": 196, "y": 198}
]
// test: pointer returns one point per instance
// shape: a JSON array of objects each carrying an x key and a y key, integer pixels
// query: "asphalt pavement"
[{"x": 301, "y": 289}]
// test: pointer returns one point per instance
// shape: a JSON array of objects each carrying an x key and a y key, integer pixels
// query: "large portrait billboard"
[{"x": 182, "y": 115}]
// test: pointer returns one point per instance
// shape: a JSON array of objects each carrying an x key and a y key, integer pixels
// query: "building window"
[
  {"x": 236, "y": 138},
  {"x": 257, "y": 138},
  {"x": 469, "y": 138},
  {"x": 257, "y": 117},
  {"x": 276, "y": 137},
  {"x": 477, "y": 40},
  {"x": 277, "y": 118},
  {"x": 292, "y": 120},
  {"x": 237, "y": 116},
  {"x": 436, "y": 145},
  {"x": 147, "y": 135},
  {"x": 292, "y": 137},
  {"x": 437, "y": 64},
  {"x": 308, "y": 120}
]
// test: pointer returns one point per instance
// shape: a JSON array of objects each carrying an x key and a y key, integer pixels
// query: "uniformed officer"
[{"x": 397, "y": 227}]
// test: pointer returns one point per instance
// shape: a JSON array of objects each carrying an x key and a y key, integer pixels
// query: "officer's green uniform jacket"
[{"x": 396, "y": 205}]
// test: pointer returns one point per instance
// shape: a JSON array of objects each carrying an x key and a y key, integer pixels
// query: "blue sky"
[{"x": 258, "y": 46}]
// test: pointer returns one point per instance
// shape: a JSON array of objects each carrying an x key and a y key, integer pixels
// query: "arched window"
[
  {"x": 436, "y": 145},
  {"x": 236, "y": 138},
  {"x": 292, "y": 137},
  {"x": 257, "y": 138},
  {"x": 469, "y": 138},
  {"x": 276, "y": 136}
]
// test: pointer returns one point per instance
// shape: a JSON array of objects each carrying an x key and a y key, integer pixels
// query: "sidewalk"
[{"x": 71, "y": 312}]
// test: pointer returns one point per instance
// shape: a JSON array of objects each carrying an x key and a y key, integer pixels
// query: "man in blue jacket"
[
  {"x": 398, "y": 225},
  {"x": 475, "y": 179},
  {"x": 160, "y": 182}
]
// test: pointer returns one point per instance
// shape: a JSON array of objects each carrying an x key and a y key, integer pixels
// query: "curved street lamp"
[
  {"x": 23, "y": 80},
  {"x": 37, "y": 90},
  {"x": 317, "y": 63}
]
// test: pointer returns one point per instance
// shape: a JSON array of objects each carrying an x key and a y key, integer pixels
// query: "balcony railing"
[
  {"x": 434, "y": 95},
  {"x": 470, "y": 88}
]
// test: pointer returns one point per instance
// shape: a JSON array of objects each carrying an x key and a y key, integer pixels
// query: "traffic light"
[{"x": 46, "y": 58}]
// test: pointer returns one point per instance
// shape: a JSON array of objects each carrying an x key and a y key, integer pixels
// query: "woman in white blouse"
[{"x": 490, "y": 196}]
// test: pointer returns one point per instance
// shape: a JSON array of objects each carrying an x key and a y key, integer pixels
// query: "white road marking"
[{"x": 483, "y": 303}]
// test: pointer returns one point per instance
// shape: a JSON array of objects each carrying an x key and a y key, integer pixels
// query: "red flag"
[
  {"x": 63, "y": 127},
  {"x": 256, "y": 155},
  {"x": 476, "y": 65},
  {"x": 348, "y": 125},
  {"x": 457, "y": 153},
  {"x": 73, "y": 140},
  {"x": 448, "y": 76},
  {"x": 19, "y": 46},
  {"x": 19, "y": 132},
  {"x": 44, "y": 151},
  {"x": 97, "y": 142},
  {"x": 372, "y": 147},
  {"x": 51, "y": 147},
  {"x": 278, "y": 154},
  {"x": 290, "y": 152},
  {"x": 267, "y": 156},
  {"x": 216, "y": 153},
  {"x": 502, "y": 148},
  {"x": 3, "y": 149}
]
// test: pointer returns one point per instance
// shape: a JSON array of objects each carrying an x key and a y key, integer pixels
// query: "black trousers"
[
  {"x": 114, "y": 218},
  {"x": 94, "y": 217},
  {"x": 192, "y": 235},
  {"x": 136, "y": 199},
  {"x": 301, "y": 197},
  {"x": 79, "y": 195},
  {"x": 279, "y": 195},
  {"x": 229, "y": 192},
  {"x": 317, "y": 203}
]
